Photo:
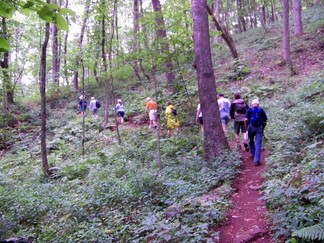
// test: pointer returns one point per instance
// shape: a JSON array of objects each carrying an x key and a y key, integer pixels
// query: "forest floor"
[{"x": 247, "y": 220}]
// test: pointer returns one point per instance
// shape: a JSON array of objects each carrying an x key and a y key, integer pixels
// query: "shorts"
[
  {"x": 225, "y": 119},
  {"x": 121, "y": 113},
  {"x": 200, "y": 120},
  {"x": 239, "y": 125},
  {"x": 94, "y": 110},
  {"x": 153, "y": 115},
  {"x": 83, "y": 108}
]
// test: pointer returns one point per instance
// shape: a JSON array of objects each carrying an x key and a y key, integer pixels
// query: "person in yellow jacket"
[{"x": 172, "y": 121}]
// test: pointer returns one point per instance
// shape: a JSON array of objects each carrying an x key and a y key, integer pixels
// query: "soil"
[{"x": 247, "y": 220}]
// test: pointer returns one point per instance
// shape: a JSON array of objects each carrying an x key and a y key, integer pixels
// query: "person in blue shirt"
[{"x": 256, "y": 119}]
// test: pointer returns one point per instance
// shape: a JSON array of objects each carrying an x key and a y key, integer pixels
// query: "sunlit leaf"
[
  {"x": 6, "y": 10},
  {"x": 66, "y": 11},
  {"x": 29, "y": 4},
  {"x": 4, "y": 45},
  {"x": 61, "y": 23}
]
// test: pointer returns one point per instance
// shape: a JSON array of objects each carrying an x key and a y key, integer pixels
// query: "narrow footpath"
[{"x": 247, "y": 219}]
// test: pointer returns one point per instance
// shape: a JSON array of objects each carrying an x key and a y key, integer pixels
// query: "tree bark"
[
  {"x": 135, "y": 40},
  {"x": 65, "y": 49},
  {"x": 214, "y": 138},
  {"x": 80, "y": 41},
  {"x": 55, "y": 54},
  {"x": 162, "y": 35},
  {"x": 286, "y": 35},
  {"x": 43, "y": 100},
  {"x": 7, "y": 85},
  {"x": 105, "y": 69},
  {"x": 297, "y": 13},
  {"x": 225, "y": 35}
]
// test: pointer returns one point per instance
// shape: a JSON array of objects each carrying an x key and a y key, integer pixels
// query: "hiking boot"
[
  {"x": 257, "y": 163},
  {"x": 246, "y": 146}
]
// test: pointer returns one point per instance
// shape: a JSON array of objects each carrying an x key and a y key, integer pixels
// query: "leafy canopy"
[{"x": 51, "y": 13}]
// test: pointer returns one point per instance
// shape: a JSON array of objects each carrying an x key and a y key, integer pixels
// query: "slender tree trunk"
[
  {"x": 225, "y": 35},
  {"x": 4, "y": 63},
  {"x": 80, "y": 41},
  {"x": 65, "y": 45},
  {"x": 105, "y": 69},
  {"x": 43, "y": 100},
  {"x": 286, "y": 36},
  {"x": 297, "y": 13},
  {"x": 162, "y": 35},
  {"x": 214, "y": 138},
  {"x": 112, "y": 31},
  {"x": 56, "y": 58},
  {"x": 135, "y": 40}
]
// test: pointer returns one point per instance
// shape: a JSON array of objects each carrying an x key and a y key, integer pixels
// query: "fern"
[
  {"x": 321, "y": 202},
  {"x": 315, "y": 232}
]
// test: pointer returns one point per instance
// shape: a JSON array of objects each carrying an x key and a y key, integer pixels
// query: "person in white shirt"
[{"x": 224, "y": 110}]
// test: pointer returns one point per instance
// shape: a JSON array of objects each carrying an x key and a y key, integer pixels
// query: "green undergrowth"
[
  {"x": 294, "y": 179},
  {"x": 114, "y": 192}
]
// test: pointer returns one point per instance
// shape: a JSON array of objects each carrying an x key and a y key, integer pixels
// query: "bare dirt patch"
[{"x": 247, "y": 220}]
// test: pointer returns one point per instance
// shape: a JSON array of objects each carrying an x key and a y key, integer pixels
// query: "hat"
[
  {"x": 81, "y": 97},
  {"x": 119, "y": 101},
  {"x": 148, "y": 99},
  {"x": 255, "y": 102},
  {"x": 92, "y": 98}
]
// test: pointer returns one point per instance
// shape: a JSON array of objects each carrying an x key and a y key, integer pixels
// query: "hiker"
[
  {"x": 237, "y": 112},
  {"x": 224, "y": 110},
  {"x": 93, "y": 107},
  {"x": 172, "y": 121},
  {"x": 151, "y": 108},
  {"x": 120, "y": 111},
  {"x": 199, "y": 119},
  {"x": 256, "y": 118},
  {"x": 82, "y": 105}
]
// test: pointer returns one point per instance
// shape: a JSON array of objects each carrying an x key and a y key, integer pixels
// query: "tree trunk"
[
  {"x": 80, "y": 41},
  {"x": 65, "y": 49},
  {"x": 43, "y": 100},
  {"x": 135, "y": 40},
  {"x": 214, "y": 138},
  {"x": 112, "y": 31},
  {"x": 225, "y": 35},
  {"x": 4, "y": 63},
  {"x": 55, "y": 54},
  {"x": 105, "y": 69},
  {"x": 161, "y": 35},
  {"x": 286, "y": 37},
  {"x": 298, "y": 24}
]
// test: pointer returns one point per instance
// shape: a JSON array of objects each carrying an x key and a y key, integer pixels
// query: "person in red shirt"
[{"x": 151, "y": 108}]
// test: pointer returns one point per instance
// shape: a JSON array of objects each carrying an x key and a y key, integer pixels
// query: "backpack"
[
  {"x": 241, "y": 107},
  {"x": 256, "y": 119},
  {"x": 174, "y": 112},
  {"x": 98, "y": 105}
]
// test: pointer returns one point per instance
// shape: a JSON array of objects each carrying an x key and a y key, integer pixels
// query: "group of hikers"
[{"x": 250, "y": 121}]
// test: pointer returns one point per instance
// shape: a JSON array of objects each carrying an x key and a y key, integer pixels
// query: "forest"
[{"x": 67, "y": 175}]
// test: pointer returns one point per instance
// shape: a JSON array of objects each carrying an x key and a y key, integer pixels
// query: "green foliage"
[
  {"x": 295, "y": 167},
  {"x": 311, "y": 233}
]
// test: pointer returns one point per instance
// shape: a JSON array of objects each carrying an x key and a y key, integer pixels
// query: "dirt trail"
[{"x": 246, "y": 221}]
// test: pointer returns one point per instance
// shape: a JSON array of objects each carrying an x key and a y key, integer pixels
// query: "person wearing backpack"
[
  {"x": 93, "y": 107},
  {"x": 237, "y": 112},
  {"x": 82, "y": 105},
  {"x": 172, "y": 121},
  {"x": 120, "y": 111},
  {"x": 224, "y": 110},
  {"x": 256, "y": 119}
]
